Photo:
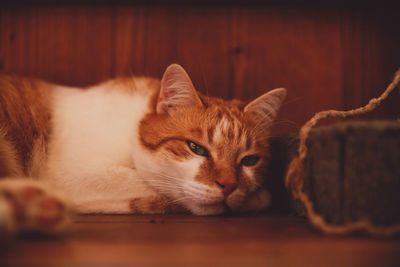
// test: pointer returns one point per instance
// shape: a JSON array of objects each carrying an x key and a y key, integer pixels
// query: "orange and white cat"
[{"x": 132, "y": 145}]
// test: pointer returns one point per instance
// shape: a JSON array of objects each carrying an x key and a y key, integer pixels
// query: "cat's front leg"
[
  {"x": 154, "y": 205},
  {"x": 119, "y": 190}
]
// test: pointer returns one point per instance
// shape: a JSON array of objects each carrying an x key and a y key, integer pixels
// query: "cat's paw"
[
  {"x": 256, "y": 201},
  {"x": 29, "y": 206}
]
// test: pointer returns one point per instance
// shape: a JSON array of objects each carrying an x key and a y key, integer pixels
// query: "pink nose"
[{"x": 227, "y": 186}]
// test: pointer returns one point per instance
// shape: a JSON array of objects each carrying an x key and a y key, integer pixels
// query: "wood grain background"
[{"x": 327, "y": 57}]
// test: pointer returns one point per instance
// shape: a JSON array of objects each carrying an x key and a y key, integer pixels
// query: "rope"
[{"x": 295, "y": 174}]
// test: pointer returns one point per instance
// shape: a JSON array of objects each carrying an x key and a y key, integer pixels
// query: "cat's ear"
[
  {"x": 176, "y": 90},
  {"x": 266, "y": 107}
]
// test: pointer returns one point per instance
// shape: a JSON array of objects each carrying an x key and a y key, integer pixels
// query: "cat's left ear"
[
  {"x": 266, "y": 107},
  {"x": 176, "y": 90}
]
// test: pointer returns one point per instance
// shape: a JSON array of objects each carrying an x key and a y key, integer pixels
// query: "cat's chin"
[{"x": 207, "y": 209}]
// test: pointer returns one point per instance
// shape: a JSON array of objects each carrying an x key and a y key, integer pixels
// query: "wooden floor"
[{"x": 183, "y": 240}]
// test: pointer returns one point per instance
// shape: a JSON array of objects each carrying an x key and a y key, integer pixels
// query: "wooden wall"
[{"x": 335, "y": 57}]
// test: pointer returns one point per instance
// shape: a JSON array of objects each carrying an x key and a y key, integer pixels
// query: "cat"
[{"x": 128, "y": 145}]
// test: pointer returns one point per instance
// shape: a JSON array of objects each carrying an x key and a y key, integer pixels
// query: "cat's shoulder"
[{"x": 131, "y": 85}]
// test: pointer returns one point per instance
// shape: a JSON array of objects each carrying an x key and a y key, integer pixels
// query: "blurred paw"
[
  {"x": 256, "y": 201},
  {"x": 29, "y": 206},
  {"x": 259, "y": 200}
]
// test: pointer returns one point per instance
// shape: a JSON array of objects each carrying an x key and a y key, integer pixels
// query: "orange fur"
[
  {"x": 9, "y": 163},
  {"x": 25, "y": 118}
]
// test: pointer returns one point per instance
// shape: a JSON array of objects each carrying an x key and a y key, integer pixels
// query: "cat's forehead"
[
  {"x": 228, "y": 131},
  {"x": 219, "y": 109},
  {"x": 224, "y": 126}
]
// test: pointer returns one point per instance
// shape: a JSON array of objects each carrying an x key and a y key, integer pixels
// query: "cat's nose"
[{"x": 227, "y": 185}]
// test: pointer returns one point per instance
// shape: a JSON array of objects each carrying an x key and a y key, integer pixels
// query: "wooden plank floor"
[{"x": 183, "y": 240}]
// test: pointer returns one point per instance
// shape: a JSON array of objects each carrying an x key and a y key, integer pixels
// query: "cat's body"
[
  {"x": 92, "y": 155},
  {"x": 137, "y": 145}
]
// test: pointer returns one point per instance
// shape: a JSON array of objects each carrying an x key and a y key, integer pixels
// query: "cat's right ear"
[
  {"x": 176, "y": 90},
  {"x": 265, "y": 108}
]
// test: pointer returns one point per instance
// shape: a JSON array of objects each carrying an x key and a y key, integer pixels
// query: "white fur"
[
  {"x": 220, "y": 130},
  {"x": 90, "y": 153}
]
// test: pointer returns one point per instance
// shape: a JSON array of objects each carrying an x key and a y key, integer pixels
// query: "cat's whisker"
[
  {"x": 157, "y": 183},
  {"x": 161, "y": 173},
  {"x": 204, "y": 80},
  {"x": 178, "y": 200},
  {"x": 163, "y": 182},
  {"x": 259, "y": 126},
  {"x": 286, "y": 121}
]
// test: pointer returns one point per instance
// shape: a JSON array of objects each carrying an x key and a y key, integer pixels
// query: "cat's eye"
[
  {"x": 197, "y": 149},
  {"x": 250, "y": 160}
]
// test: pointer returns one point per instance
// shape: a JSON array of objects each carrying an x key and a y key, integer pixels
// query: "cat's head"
[{"x": 205, "y": 153}]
